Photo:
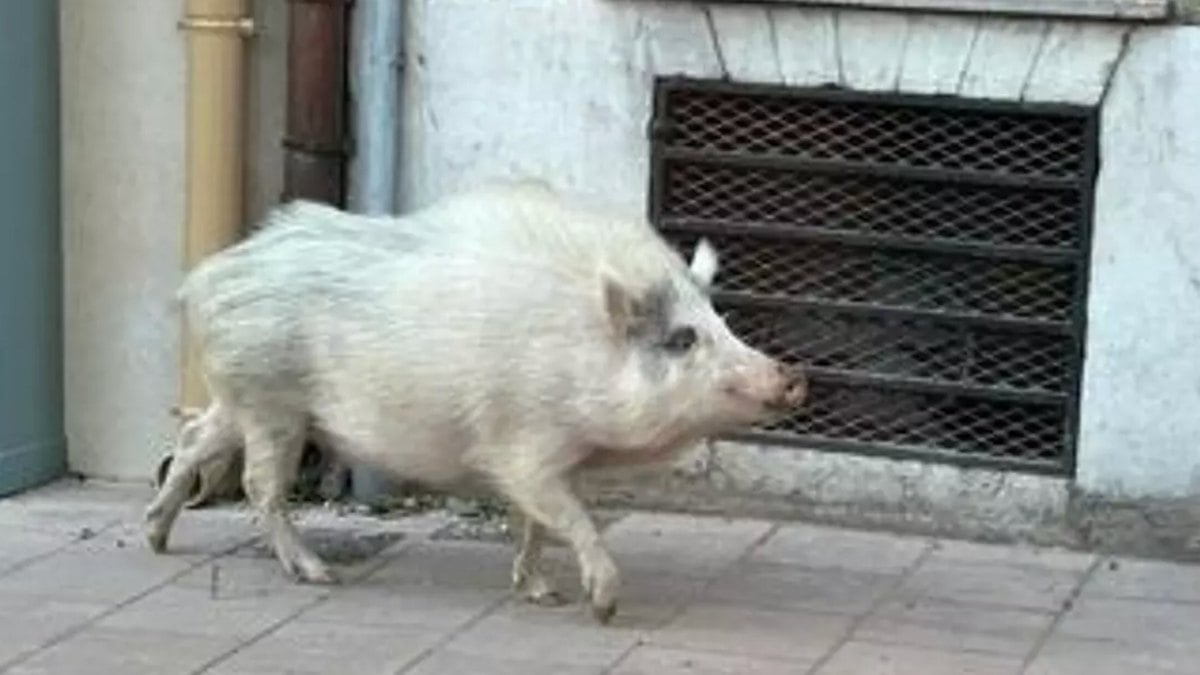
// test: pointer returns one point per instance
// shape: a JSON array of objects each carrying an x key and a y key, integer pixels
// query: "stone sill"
[{"x": 1123, "y": 10}]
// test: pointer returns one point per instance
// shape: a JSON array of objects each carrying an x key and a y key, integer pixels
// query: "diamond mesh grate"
[
  {"x": 880, "y": 132},
  {"x": 865, "y": 205},
  {"x": 926, "y": 257}
]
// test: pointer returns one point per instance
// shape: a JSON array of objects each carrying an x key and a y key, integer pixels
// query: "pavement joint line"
[
  {"x": 708, "y": 584},
  {"x": 113, "y": 609},
  {"x": 22, "y": 564},
  {"x": 226, "y": 655},
  {"x": 702, "y": 590},
  {"x": 858, "y": 619},
  {"x": 368, "y": 570},
  {"x": 424, "y": 654},
  {"x": 641, "y": 639},
  {"x": 608, "y": 670},
  {"x": 1066, "y": 607}
]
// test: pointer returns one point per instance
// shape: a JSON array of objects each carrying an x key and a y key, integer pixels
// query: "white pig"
[{"x": 501, "y": 336}]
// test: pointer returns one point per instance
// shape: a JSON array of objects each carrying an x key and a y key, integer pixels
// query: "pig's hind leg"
[
  {"x": 206, "y": 438},
  {"x": 274, "y": 444},
  {"x": 528, "y": 576}
]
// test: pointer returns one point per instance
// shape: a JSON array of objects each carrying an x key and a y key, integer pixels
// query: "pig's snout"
[
  {"x": 793, "y": 386},
  {"x": 774, "y": 386}
]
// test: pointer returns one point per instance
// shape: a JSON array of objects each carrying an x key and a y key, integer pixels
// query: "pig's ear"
[
  {"x": 704, "y": 264},
  {"x": 619, "y": 305}
]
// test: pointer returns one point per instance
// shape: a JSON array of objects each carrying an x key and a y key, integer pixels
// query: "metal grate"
[{"x": 926, "y": 255}]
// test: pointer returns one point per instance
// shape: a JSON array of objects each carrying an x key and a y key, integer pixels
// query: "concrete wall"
[
  {"x": 1140, "y": 433},
  {"x": 562, "y": 91},
  {"x": 123, "y": 81}
]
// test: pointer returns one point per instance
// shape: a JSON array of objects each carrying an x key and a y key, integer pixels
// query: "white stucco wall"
[
  {"x": 1140, "y": 432},
  {"x": 562, "y": 91},
  {"x": 123, "y": 85},
  {"x": 123, "y": 126}
]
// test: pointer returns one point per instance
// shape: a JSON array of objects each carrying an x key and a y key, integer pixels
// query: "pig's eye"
[{"x": 680, "y": 340}]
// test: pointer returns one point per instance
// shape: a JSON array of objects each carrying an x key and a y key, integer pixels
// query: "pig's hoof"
[
  {"x": 309, "y": 572},
  {"x": 156, "y": 534},
  {"x": 157, "y": 541},
  {"x": 545, "y": 598},
  {"x": 602, "y": 581},
  {"x": 535, "y": 589},
  {"x": 321, "y": 576},
  {"x": 604, "y": 613}
]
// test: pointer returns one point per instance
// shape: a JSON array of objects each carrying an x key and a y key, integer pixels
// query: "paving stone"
[
  {"x": 1002, "y": 585},
  {"x": 649, "y": 660},
  {"x": 1023, "y": 556},
  {"x": 192, "y": 611},
  {"x": 449, "y": 662},
  {"x": 1067, "y": 656},
  {"x": 19, "y": 546},
  {"x": 349, "y": 555},
  {"x": 231, "y": 578},
  {"x": 649, "y": 600},
  {"x": 788, "y": 587},
  {"x": 800, "y": 636},
  {"x": 823, "y": 547},
  {"x": 69, "y": 507},
  {"x": 432, "y": 607},
  {"x": 863, "y": 658},
  {"x": 128, "y": 652},
  {"x": 99, "y": 575},
  {"x": 565, "y": 635},
  {"x": 196, "y": 533},
  {"x": 28, "y": 622},
  {"x": 1145, "y": 579},
  {"x": 458, "y": 564},
  {"x": 318, "y": 648},
  {"x": 1168, "y": 627},
  {"x": 681, "y": 545},
  {"x": 955, "y": 626},
  {"x": 699, "y": 595}
]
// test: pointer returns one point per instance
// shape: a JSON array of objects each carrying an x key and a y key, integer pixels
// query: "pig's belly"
[{"x": 428, "y": 453}]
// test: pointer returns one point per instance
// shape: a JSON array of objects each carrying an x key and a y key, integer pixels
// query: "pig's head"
[{"x": 684, "y": 371}]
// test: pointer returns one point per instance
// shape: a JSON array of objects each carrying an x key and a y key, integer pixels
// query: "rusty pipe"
[{"x": 316, "y": 143}]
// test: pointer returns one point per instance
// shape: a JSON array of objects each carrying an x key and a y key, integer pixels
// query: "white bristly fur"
[{"x": 470, "y": 341}]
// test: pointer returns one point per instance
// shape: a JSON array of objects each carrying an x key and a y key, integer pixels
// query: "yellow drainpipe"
[
  {"x": 217, "y": 32},
  {"x": 216, "y": 79}
]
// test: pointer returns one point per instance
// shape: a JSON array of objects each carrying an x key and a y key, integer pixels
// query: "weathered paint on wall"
[
  {"x": 1141, "y": 400},
  {"x": 123, "y": 77},
  {"x": 567, "y": 98},
  {"x": 562, "y": 91}
]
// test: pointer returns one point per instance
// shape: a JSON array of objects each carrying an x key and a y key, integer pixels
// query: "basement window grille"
[{"x": 926, "y": 255}]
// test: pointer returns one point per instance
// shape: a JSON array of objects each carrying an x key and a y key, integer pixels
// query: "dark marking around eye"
[
  {"x": 652, "y": 313},
  {"x": 680, "y": 340}
]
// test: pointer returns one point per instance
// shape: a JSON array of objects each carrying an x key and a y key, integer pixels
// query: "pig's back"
[{"x": 413, "y": 340}]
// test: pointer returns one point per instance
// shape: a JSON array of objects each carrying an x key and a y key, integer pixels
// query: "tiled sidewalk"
[{"x": 81, "y": 593}]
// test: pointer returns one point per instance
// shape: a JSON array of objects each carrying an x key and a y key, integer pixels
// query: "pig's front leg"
[
  {"x": 528, "y": 576},
  {"x": 547, "y": 500}
]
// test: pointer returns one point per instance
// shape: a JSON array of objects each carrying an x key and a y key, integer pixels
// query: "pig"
[{"x": 502, "y": 336}]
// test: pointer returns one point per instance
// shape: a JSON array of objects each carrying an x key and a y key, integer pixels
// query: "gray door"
[{"x": 32, "y": 446}]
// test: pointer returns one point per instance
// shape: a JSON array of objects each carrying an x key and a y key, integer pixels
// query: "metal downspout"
[
  {"x": 376, "y": 77},
  {"x": 217, "y": 34}
]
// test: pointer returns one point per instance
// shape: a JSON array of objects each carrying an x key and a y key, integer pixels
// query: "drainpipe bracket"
[
  {"x": 343, "y": 149},
  {"x": 243, "y": 26}
]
